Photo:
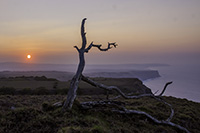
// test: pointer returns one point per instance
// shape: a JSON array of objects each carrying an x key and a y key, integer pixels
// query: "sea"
[
  {"x": 186, "y": 81},
  {"x": 185, "y": 77}
]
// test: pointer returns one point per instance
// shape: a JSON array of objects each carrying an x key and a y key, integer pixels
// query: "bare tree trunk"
[{"x": 71, "y": 96}]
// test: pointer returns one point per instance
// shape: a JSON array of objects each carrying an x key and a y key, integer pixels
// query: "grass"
[
  {"x": 34, "y": 113},
  {"x": 46, "y": 86},
  {"x": 28, "y": 108}
]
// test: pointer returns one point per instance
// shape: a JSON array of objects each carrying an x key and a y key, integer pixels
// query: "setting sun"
[{"x": 28, "y": 56}]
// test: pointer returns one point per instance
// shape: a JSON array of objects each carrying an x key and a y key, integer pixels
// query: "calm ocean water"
[
  {"x": 186, "y": 78},
  {"x": 186, "y": 81}
]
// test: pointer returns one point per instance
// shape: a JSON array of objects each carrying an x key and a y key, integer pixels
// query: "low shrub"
[
  {"x": 41, "y": 91},
  {"x": 7, "y": 91},
  {"x": 61, "y": 91},
  {"x": 25, "y": 91}
]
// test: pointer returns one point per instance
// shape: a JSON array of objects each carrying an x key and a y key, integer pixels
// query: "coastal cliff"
[{"x": 65, "y": 76}]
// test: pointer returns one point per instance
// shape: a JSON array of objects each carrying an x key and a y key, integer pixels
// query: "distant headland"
[{"x": 65, "y": 72}]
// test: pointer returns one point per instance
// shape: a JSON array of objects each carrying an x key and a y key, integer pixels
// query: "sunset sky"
[{"x": 147, "y": 31}]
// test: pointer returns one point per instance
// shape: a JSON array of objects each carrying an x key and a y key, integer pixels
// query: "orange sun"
[{"x": 28, "y": 56}]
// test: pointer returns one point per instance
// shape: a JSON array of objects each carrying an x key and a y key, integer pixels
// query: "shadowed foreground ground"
[{"x": 34, "y": 113}]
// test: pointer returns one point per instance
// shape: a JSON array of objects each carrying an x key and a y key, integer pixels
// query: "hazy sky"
[{"x": 147, "y": 31}]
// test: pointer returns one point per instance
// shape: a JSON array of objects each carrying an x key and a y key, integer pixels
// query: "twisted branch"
[
  {"x": 119, "y": 108},
  {"x": 157, "y": 97},
  {"x": 77, "y": 49},
  {"x": 109, "y": 88},
  {"x": 99, "y": 46},
  {"x": 165, "y": 122},
  {"x": 165, "y": 87}
]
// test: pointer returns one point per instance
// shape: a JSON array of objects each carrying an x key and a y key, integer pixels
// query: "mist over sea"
[{"x": 186, "y": 81}]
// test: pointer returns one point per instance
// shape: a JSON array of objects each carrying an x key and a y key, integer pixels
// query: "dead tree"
[
  {"x": 71, "y": 96},
  {"x": 121, "y": 109}
]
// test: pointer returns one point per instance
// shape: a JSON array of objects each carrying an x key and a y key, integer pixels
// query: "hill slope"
[{"x": 35, "y": 114}]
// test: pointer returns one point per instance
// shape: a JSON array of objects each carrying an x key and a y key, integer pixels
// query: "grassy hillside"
[
  {"x": 42, "y": 85},
  {"x": 35, "y": 114}
]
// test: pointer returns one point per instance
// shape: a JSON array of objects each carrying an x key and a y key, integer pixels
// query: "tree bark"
[
  {"x": 115, "y": 88},
  {"x": 72, "y": 93},
  {"x": 71, "y": 96}
]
